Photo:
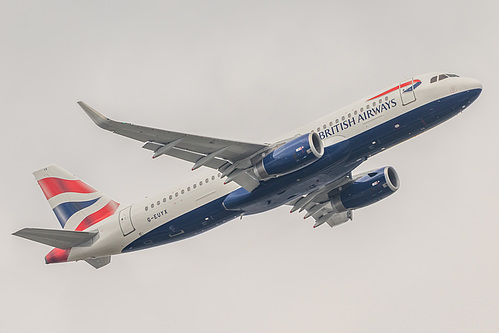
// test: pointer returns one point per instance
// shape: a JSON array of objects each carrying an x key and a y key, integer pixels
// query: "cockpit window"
[{"x": 442, "y": 77}]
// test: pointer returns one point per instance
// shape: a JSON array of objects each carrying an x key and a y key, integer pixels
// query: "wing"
[
  {"x": 232, "y": 158},
  {"x": 320, "y": 204}
]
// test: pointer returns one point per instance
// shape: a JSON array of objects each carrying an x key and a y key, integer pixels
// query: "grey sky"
[{"x": 423, "y": 260}]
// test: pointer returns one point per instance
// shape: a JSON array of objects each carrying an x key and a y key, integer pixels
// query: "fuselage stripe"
[{"x": 405, "y": 84}]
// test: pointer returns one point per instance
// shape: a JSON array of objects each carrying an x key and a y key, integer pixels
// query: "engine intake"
[
  {"x": 290, "y": 157},
  {"x": 368, "y": 189}
]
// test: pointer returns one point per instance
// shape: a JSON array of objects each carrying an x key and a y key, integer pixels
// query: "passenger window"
[
  {"x": 176, "y": 194},
  {"x": 194, "y": 186},
  {"x": 342, "y": 118},
  {"x": 386, "y": 98},
  {"x": 147, "y": 208},
  {"x": 374, "y": 104},
  {"x": 188, "y": 189},
  {"x": 212, "y": 177},
  {"x": 349, "y": 115},
  {"x": 171, "y": 197},
  {"x": 182, "y": 192},
  {"x": 330, "y": 123},
  {"x": 380, "y": 101},
  {"x": 200, "y": 183},
  {"x": 361, "y": 109},
  {"x": 355, "y": 113},
  {"x": 337, "y": 121},
  {"x": 206, "y": 180},
  {"x": 164, "y": 199},
  {"x": 433, "y": 79},
  {"x": 442, "y": 77},
  {"x": 324, "y": 127},
  {"x": 158, "y": 203},
  {"x": 318, "y": 129},
  {"x": 152, "y": 205}
]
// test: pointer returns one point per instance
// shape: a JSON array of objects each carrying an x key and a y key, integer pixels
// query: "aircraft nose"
[
  {"x": 472, "y": 84},
  {"x": 472, "y": 88}
]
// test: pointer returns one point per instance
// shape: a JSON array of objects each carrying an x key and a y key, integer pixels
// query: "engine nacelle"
[
  {"x": 290, "y": 157},
  {"x": 370, "y": 188}
]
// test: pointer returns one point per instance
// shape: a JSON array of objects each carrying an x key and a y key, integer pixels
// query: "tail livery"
[{"x": 77, "y": 207}]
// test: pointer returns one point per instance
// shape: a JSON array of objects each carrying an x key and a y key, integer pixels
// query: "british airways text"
[{"x": 368, "y": 114}]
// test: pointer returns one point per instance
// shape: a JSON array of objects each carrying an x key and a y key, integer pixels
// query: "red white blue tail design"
[{"x": 76, "y": 205}]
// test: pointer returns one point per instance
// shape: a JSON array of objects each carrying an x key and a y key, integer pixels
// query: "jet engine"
[
  {"x": 290, "y": 157},
  {"x": 366, "y": 190}
]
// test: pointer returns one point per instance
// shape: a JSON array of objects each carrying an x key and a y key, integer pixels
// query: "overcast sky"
[{"x": 423, "y": 260}]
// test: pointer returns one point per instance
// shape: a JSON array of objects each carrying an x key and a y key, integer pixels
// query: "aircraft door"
[
  {"x": 125, "y": 219},
  {"x": 406, "y": 90}
]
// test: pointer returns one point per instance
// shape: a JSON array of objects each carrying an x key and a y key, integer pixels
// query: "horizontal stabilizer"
[{"x": 62, "y": 239}]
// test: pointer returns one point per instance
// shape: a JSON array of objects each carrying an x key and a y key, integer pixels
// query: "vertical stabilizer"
[{"x": 76, "y": 204}]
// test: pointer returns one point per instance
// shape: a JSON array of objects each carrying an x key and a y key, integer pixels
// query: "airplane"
[{"x": 309, "y": 169}]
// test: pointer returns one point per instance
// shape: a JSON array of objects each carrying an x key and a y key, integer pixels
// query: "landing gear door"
[
  {"x": 406, "y": 90},
  {"x": 125, "y": 219}
]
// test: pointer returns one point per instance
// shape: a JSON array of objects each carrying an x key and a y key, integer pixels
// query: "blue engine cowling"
[
  {"x": 370, "y": 188},
  {"x": 290, "y": 157}
]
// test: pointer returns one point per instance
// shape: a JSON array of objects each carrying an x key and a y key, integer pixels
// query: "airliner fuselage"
[{"x": 322, "y": 185}]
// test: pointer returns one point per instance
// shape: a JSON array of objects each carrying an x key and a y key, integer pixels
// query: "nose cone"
[
  {"x": 472, "y": 88},
  {"x": 472, "y": 84}
]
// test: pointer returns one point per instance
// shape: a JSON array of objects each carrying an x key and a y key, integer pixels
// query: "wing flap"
[
  {"x": 185, "y": 155},
  {"x": 62, "y": 239}
]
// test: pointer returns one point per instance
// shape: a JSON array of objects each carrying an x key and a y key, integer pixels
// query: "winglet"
[{"x": 99, "y": 119}]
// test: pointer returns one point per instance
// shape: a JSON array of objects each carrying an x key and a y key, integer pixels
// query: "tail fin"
[{"x": 76, "y": 205}]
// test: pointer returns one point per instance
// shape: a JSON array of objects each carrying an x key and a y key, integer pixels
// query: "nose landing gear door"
[
  {"x": 125, "y": 219},
  {"x": 406, "y": 90}
]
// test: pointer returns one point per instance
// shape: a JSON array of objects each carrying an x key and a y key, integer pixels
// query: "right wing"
[
  {"x": 321, "y": 206},
  {"x": 232, "y": 158}
]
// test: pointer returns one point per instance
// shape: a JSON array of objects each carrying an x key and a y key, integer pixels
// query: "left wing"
[{"x": 232, "y": 158}]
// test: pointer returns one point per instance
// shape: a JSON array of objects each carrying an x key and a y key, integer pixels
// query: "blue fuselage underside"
[{"x": 338, "y": 160}]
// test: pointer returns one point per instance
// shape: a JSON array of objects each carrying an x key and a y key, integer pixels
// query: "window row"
[{"x": 188, "y": 189}]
